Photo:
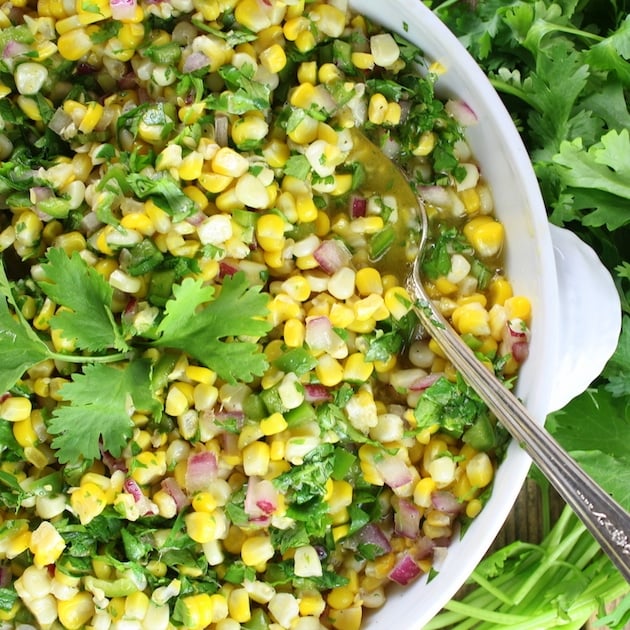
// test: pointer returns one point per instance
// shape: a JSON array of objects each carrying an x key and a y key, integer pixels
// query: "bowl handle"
[{"x": 590, "y": 316}]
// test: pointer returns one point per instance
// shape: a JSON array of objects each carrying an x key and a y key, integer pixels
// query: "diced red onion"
[
  {"x": 445, "y": 501},
  {"x": 406, "y": 519},
  {"x": 314, "y": 392},
  {"x": 461, "y": 112},
  {"x": 520, "y": 351},
  {"x": 196, "y": 219},
  {"x": 128, "y": 81},
  {"x": 227, "y": 268},
  {"x": 358, "y": 207},
  {"x": 6, "y": 576},
  {"x": 112, "y": 463},
  {"x": 201, "y": 471},
  {"x": 221, "y": 129},
  {"x": 261, "y": 500},
  {"x": 132, "y": 487},
  {"x": 145, "y": 507},
  {"x": 14, "y": 49},
  {"x": 332, "y": 255},
  {"x": 394, "y": 471},
  {"x": 372, "y": 534},
  {"x": 424, "y": 382},
  {"x": 423, "y": 548},
  {"x": 195, "y": 61},
  {"x": 405, "y": 570},
  {"x": 123, "y": 9},
  {"x": 171, "y": 487},
  {"x": 516, "y": 340}
]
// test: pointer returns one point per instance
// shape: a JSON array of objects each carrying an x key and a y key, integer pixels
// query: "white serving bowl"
[{"x": 576, "y": 310}]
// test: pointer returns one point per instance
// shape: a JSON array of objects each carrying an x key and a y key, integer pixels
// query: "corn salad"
[{"x": 217, "y": 409}]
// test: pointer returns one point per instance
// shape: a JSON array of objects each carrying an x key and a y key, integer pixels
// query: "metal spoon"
[{"x": 607, "y": 521}]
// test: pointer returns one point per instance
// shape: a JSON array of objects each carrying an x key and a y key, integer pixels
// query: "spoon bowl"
[{"x": 607, "y": 521}]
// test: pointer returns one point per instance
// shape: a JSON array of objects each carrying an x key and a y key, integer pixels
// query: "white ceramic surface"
[{"x": 564, "y": 358}]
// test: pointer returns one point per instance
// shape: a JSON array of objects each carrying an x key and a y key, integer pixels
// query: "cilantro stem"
[
  {"x": 77, "y": 358},
  {"x": 508, "y": 88}
]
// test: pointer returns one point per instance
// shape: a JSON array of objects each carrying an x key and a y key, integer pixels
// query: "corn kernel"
[{"x": 257, "y": 550}]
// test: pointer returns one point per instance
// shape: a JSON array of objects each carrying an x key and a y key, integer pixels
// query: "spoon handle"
[{"x": 607, "y": 521}]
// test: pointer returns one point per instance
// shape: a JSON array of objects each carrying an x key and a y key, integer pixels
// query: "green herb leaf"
[
  {"x": 70, "y": 282},
  {"x": 209, "y": 327},
  {"x": 102, "y": 399}
]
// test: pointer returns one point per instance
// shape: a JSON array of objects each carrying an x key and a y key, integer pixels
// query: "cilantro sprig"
[{"x": 219, "y": 329}]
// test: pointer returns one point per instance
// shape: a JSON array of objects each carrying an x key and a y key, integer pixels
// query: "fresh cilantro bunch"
[
  {"x": 218, "y": 327},
  {"x": 563, "y": 70}
]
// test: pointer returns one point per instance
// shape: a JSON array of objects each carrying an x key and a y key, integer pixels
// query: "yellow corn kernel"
[
  {"x": 518, "y": 307},
  {"x": 297, "y": 287},
  {"x": 198, "y": 609},
  {"x": 46, "y": 544},
  {"x": 88, "y": 501},
  {"x": 362, "y": 60},
  {"x": 148, "y": 467},
  {"x": 138, "y": 221},
  {"x": 445, "y": 286},
  {"x": 256, "y": 458},
  {"x": 71, "y": 242},
  {"x": 473, "y": 507},
  {"x": 397, "y": 301},
  {"x": 294, "y": 26},
  {"x": 393, "y": 114},
  {"x": 426, "y": 144},
  {"x": 305, "y": 131},
  {"x": 376, "y": 109},
  {"x": 273, "y": 59},
  {"x": 257, "y": 550},
  {"x": 471, "y": 318},
  {"x": 74, "y": 44},
  {"x": 204, "y": 502},
  {"x": 471, "y": 199},
  {"x": 276, "y": 152},
  {"x": 191, "y": 166},
  {"x": 24, "y": 433},
  {"x": 201, "y": 526},
  {"x": 422, "y": 492},
  {"x": 499, "y": 290},
  {"x": 340, "y": 598},
  {"x": 274, "y": 424},
  {"x": 479, "y": 470},
  {"x": 270, "y": 232},
  {"x": 227, "y": 161},
  {"x": 15, "y": 408},
  {"x": 250, "y": 129},
  {"x": 136, "y": 605},
  {"x": 238, "y": 605},
  {"x": 75, "y": 612},
  {"x": 357, "y": 369},
  {"x": 329, "y": 371},
  {"x": 486, "y": 235},
  {"x": 368, "y": 281},
  {"x": 347, "y": 619},
  {"x": 177, "y": 402},
  {"x": 340, "y": 496}
]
